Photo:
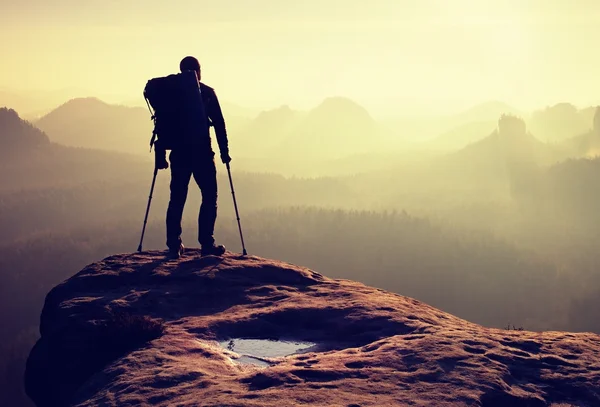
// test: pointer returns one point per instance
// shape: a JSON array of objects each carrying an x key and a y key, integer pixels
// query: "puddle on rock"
[{"x": 256, "y": 351}]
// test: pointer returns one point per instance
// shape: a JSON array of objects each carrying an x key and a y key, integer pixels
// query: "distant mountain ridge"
[
  {"x": 464, "y": 134},
  {"x": 561, "y": 121},
  {"x": 33, "y": 104},
  {"x": 505, "y": 156},
  {"x": 29, "y": 159},
  {"x": 562, "y": 124},
  {"x": 336, "y": 128},
  {"x": 486, "y": 111},
  {"x": 18, "y": 134},
  {"x": 586, "y": 144},
  {"x": 92, "y": 123}
]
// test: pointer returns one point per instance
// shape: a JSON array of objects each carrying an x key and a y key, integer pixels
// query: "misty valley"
[{"x": 490, "y": 214}]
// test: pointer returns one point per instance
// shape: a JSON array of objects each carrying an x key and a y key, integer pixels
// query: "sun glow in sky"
[{"x": 389, "y": 55}]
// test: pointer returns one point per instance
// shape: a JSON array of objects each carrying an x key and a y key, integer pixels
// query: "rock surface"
[{"x": 136, "y": 330}]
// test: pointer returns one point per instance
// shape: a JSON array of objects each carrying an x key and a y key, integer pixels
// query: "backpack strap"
[{"x": 153, "y": 118}]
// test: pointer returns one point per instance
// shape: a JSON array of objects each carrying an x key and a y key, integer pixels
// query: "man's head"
[{"x": 190, "y": 64}]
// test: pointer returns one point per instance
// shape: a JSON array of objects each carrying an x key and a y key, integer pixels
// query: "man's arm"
[{"x": 215, "y": 115}]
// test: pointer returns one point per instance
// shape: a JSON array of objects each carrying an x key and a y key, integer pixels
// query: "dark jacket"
[{"x": 215, "y": 116}]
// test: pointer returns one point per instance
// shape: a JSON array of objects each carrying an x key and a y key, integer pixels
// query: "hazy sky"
[{"x": 389, "y": 55}]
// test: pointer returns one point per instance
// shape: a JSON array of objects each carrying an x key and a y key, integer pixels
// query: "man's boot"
[
  {"x": 213, "y": 250},
  {"x": 175, "y": 252}
]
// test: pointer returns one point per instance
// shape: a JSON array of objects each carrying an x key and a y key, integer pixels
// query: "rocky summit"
[{"x": 139, "y": 330}]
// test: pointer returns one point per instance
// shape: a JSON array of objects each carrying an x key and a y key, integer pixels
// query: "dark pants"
[{"x": 184, "y": 164}]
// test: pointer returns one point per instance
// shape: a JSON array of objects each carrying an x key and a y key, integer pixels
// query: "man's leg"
[
  {"x": 205, "y": 174},
  {"x": 180, "y": 178}
]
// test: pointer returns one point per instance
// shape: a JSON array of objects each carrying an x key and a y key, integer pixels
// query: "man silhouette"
[{"x": 197, "y": 159}]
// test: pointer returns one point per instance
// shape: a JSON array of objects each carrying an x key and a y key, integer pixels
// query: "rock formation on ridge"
[{"x": 136, "y": 329}]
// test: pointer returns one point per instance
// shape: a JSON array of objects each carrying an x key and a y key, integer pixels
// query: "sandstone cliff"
[{"x": 138, "y": 330}]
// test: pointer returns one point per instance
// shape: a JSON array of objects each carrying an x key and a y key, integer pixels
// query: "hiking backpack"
[{"x": 179, "y": 115}]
